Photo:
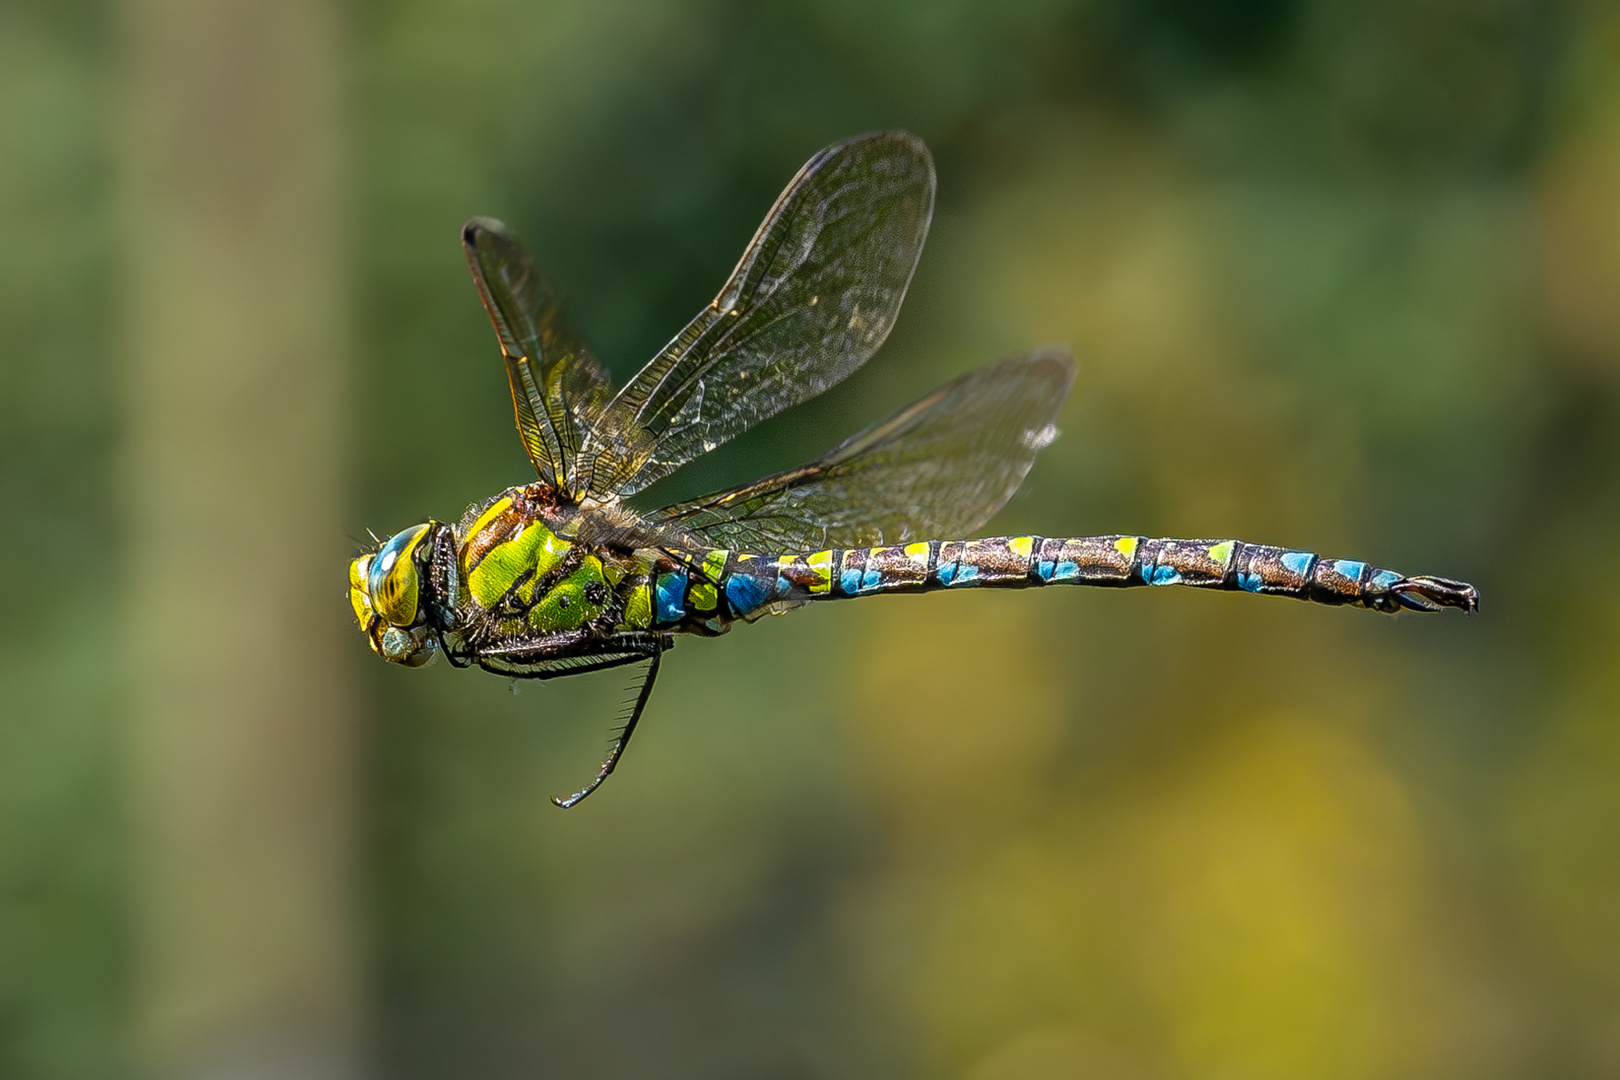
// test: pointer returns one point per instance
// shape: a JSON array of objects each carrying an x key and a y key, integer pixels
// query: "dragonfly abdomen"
[{"x": 743, "y": 584}]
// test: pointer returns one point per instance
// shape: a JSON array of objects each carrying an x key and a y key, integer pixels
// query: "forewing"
[
  {"x": 813, "y": 297},
  {"x": 558, "y": 389},
  {"x": 936, "y": 469}
]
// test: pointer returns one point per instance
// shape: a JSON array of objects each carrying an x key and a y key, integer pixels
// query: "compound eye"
[{"x": 392, "y": 580}]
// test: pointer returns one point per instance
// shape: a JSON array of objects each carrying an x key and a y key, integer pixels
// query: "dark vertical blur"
[
  {"x": 1342, "y": 274},
  {"x": 237, "y": 332}
]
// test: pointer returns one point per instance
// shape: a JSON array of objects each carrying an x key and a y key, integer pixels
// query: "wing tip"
[
  {"x": 477, "y": 227},
  {"x": 906, "y": 143},
  {"x": 1059, "y": 358},
  {"x": 896, "y": 135}
]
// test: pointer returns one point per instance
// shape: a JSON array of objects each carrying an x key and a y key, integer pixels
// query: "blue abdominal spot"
[
  {"x": 671, "y": 592},
  {"x": 744, "y": 592},
  {"x": 1296, "y": 562},
  {"x": 1349, "y": 568}
]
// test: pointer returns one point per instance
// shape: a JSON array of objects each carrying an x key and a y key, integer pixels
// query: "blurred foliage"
[
  {"x": 61, "y": 921},
  {"x": 1343, "y": 275}
]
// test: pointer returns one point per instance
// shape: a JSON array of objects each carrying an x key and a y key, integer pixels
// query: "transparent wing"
[
  {"x": 937, "y": 468},
  {"x": 558, "y": 389},
  {"x": 812, "y": 298}
]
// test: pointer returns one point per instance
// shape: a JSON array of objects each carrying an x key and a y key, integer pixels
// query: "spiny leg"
[{"x": 621, "y": 740}]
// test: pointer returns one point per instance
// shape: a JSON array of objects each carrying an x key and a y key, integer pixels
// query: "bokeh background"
[{"x": 1341, "y": 274}]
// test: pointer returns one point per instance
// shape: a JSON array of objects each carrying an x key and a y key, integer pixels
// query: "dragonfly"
[{"x": 562, "y": 576}]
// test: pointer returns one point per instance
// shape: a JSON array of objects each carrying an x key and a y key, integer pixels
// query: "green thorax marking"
[
  {"x": 534, "y": 581},
  {"x": 573, "y": 601},
  {"x": 519, "y": 563}
]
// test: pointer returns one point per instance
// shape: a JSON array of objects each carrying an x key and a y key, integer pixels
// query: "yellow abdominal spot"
[
  {"x": 1021, "y": 546},
  {"x": 917, "y": 553},
  {"x": 638, "y": 607},
  {"x": 1221, "y": 553},
  {"x": 821, "y": 565},
  {"x": 1126, "y": 546}
]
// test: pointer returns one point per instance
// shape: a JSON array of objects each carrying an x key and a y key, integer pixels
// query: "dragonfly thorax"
[{"x": 524, "y": 570}]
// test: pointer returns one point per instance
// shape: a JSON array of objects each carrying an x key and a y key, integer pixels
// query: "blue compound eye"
[{"x": 392, "y": 580}]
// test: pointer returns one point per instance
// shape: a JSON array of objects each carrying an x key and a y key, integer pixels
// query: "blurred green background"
[{"x": 1341, "y": 274}]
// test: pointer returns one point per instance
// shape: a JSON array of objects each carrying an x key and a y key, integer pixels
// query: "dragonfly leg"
[{"x": 622, "y": 739}]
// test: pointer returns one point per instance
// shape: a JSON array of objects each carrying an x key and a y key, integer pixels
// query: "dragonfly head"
[{"x": 386, "y": 588}]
